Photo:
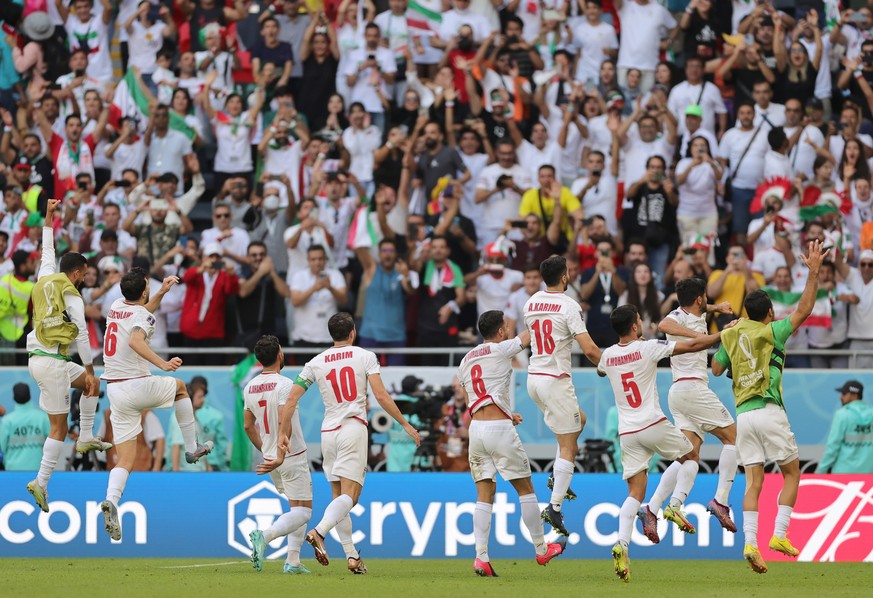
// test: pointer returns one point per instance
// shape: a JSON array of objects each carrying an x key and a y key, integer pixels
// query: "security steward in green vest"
[
  {"x": 15, "y": 290},
  {"x": 754, "y": 350},
  {"x": 33, "y": 196},
  {"x": 58, "y": 322}
]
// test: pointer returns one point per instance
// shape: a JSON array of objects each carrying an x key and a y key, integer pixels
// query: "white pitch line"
[{"x": 206, "y": 565}]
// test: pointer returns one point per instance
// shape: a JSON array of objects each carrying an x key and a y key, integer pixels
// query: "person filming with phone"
[{"x": 652, "y": 213}]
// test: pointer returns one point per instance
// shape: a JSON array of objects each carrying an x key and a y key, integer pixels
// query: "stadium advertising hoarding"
[{"x": 402, "y": 516}]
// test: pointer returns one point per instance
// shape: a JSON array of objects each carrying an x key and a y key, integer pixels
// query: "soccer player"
[
  {"x": 132, "y": 389},
  {"x": 754, "y": 351},
  {"x": 696, "y": 411},
  {"x": 58, "y": 322},
  {"x": 554, "y": 321},
  {"x": 495, "y": 447},
  {"x": 264, "y": 396},
  {"x": 342, "y": 373},
  {"x": 632, "y": 367}
]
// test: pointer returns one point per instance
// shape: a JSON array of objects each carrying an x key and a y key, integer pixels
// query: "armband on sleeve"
[{"x": 302, "y": 382}]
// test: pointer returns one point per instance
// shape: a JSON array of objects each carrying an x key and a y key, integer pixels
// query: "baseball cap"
[
  {"x": 21, "y": 393},
  {"x": 409, "y": 384},
  {"x": 851, "y": 386},
  {"x": 814, "y": 104},
  {"x": 108, "y": 235},
  {"x": 23, "y": 163},
  {"x": 212, "y": 249},
  {"x": 494, "y": 250},
  {"x": 694, "y": 110}
]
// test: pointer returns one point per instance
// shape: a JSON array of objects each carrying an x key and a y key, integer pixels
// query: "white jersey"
[
  {"x": 486, "y": 372},
  {"x": 263, "y": 396},
  {"x": 553, "y": 319},
  {"x": 341, "y": 374},
  {"x": 120, "y": 361},
  {"x": 689, "y": 365},
  {"x": 632, "y": 370}
]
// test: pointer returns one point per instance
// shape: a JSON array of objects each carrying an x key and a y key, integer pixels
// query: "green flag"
[{"x": 241, "y": 454}]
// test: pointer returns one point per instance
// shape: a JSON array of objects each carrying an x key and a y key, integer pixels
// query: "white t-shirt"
[
  {"x": 775, "y": 116},
  {"x": 530, "y": 158},
  {"x": 632, "y": 370},
  {"x": 837, "y": 144},
  {"x": 337, "y": 221},
  {"x": 732, "y": 146},
  {"x": 120, "y": 361},
  {"x": 493, "y": 293},
  {"x": 600, "y": 199},
  {"x": 697, "y": 193},
  {"x": 688, "y": 365},
  {"x": 475, "y": 164},
  {"x": 685, "y": 94},
  {"x": 503, "y": 205},
  {"x": 554, "y": 320},
  {"x": 234, "y": 142},
  {"x": 592, "y": 41},
  {"x": 128, "y": 155},
  {"x": 766, "y": 262},
  {"x": 600, "y": 137},
  {"x": 776, "y": 165},
  {"x": 263, "y": 396},
  {"x": 361, "y": 145},
  {"x": 146, "y": 43},
  {"x": 860, "y": 315},
  {"x": 636, "y": 152},
  {"x": 642, "y": 27},
  {"x": 492, "y": 81},
  {"x": 454, "y": 19},
  {"x": 93, "y": 37},
  {"x": 802, "y": 155},
  {"x": 363, "y": 90},
  {"x": 297, "y": 257},
  {"x": 341, "y": 374},
  {"x": 237, "y": 243},
  {"x": 485, "y": 373},
  {"x": 310, "y": 319}
]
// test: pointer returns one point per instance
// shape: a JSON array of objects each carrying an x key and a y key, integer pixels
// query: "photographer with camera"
[
  {"x": 401, "y": 447},
  {"x": 652, "y": 214},
  {"x": 596, "y": 190}
]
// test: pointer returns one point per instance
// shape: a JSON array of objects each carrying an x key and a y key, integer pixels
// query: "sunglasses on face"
[
  {"x": 257, "y": 255},
  {"x": 222, "y": 216},
  {"x": 866, "y": 264}
]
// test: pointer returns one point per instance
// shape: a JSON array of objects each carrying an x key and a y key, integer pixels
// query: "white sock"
[
  {"x": 665, "y": 487},
  {"x": 287, "y": 523},
  {"x": 563, "y": 471},
  {"x": 530, "y": 514},
  {"x": 727, "y": 471},
  {"x": 336, "y": 511},
  {"x": 626, "y": 518},
  {"x": 783, "y": 518},
  {"x": 750, "y": 527},
  {"x": 482, "y": 529},
  {"x": 344, "y": 531},
  {"x": 295, "y": 541},
  {"x": 684, "y": 482},
  {"x": 185, "y": 419},
  {"x": 87, "y": 410},
  {"x": 117, "y": 481},
  {"x": 51, "y": 452}
]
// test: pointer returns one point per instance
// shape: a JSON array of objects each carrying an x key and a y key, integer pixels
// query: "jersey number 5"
[
  {"x": 633, "y": 391},
  {"x": 543, "y": 334},
  {"x": 110, "y": 341},
  {"x": 344, "y": 384}
]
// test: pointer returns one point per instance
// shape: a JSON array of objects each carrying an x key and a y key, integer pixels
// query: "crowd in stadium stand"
[{"x": 412, "y": 162}]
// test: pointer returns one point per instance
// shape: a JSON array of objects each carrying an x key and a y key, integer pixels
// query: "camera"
[
  {"x": 82, "y": 185},
  {"x": 218, "y": 264},
  {"x": 122, "y": 183},
  {"x": 587, "y": 221},
  {"x": 519, "y": 224},
  {"x": 79, "y": 73},
  {"x": 596, "y": 173}
]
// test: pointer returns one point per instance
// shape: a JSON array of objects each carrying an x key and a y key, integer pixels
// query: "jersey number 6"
[{"x": 110, "y": 341}]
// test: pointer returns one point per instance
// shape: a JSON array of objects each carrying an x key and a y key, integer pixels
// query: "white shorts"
[
  {"x": 54, "y": 378},
  {"x": 764, "y": 434},
  {"x": 496, "y": 448},
  {"x": 556, "y": 398},
  {"x": 344, "y": 452},
  {"x": 638, "y": 448},
  {"x": 129, "y": 398},
  {"x": 696, "y": 408},
  {"x": 292, "y": 478}
]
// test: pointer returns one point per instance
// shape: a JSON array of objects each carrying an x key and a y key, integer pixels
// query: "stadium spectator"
[
  {"x": 859, "y": 280},
  {"x": 157, "y": 238},
  {"x": 849, "y": 447},
  {"x": 261, "y": 292},
  {"x": 236, "y": 190},
  {"x": 316, "y": 293},
  {"x": 552, "y": 201},
  {"x": 834, "y": 336},
  {"x": 22, "y": 432},
  {"x": 494, "y": 281},
  {"x": 732, "y": 284},
  {"x": 652, "y": 213},
  {"x": 441, "y": 295},
  {"x": 15, "y": 305},
  {"x": 211, "y": 427},
  {"x": 642, "y": 22},
  {"x": 233, "y": 240},
  {"x": 642, "y": 294},
  {"x": 601, "y": 286}
]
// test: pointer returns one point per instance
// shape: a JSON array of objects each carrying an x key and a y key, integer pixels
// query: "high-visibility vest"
[
  {"x": 50, "y": 320},
  {"x": 14, "y": 299},
  {"x": 31, "y": 198}
]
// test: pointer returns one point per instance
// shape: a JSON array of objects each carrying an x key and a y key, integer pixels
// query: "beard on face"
[{"x": 430, "y": 144}]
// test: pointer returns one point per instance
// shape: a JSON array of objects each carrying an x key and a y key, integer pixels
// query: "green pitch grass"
[{"x": 215, "y": 578}]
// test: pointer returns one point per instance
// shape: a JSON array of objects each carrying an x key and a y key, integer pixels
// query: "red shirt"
[{"x": 212, "y": 326}]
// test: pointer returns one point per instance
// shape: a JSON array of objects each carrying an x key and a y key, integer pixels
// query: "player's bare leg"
[
  {"x": 115, "y": 489},
  {"x": 787, "y": 497},
  {"x": 754, "y": 485},
  {"x": 727, "y": 471},
  {"x": 52, "y": 449},
  {"x": 87, "y": 411},
  {"x": 485, "y": 490},
  {"x": 636, "y": 490},
  {"x": 288, "y": 524},
  {"x": 531, "y": 517},
  {"x": 345, "y": 496}
]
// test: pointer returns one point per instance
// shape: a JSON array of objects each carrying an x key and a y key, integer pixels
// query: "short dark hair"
[
  {"x": 256, "y": 244},
  {"x": 758, "y": 304},
  {"x": 657, "y": 157},
  {"x": 387, "y": 241},
  {"x": 4, "y": 234},
  {"x": 552, "y": 269},
  {"x": 623, "y": 318},
  {"x": 316, "y": 247},
  {"x": 264, "y": 22},
  {"x": 267, "y": 350},
  {"x": 71, "y": 116},
  {"x": 133, "y": 284},
  {"x": 546, "y": 167},
  {"x": 776, "y": 138},
  {"x": 688, "y": 290},
  {"x": 695, "y": 58},
  {"x": 19, "y": 258},
  {"x": 110, "y": 204},
  {"x": 71, "y": 262},
  {"x": 372, "y": 25},
  {"x": 490, "y": 323},
  {"x": 340, "y": 326}
]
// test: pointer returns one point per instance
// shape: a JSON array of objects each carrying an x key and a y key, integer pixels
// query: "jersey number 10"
[{"x": 344, "y": 384}]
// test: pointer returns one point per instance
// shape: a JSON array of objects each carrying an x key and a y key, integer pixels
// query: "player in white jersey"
[
  {"x": 632, "y": 367},
  {"x": 495, "y": 447},
  {"x": 695, "y": 408},
  {"x": 554, "y": 321},
  {"x": 342, "y": 374},
  {"x": 264, "y": 397},
  {"x": 58, "y": 323},
  {"x": 127, "y": 357}
]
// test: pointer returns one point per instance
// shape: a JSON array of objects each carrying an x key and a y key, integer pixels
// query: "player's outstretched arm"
[
  {"x": 696, "y": 344},
  {"x": 155, "y": 302},
  {"x": 141, "y": 347},
  {"x": 813, "y": 261},
  {"x": 591, "y": 350},
  {"x": 390, "y": 407},
  {"x": 47, "y": 264},
  {"x": 674, "y": 328}
]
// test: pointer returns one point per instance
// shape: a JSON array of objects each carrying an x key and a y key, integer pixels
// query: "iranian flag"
[
  {"x": 132, "y": 100},
  {"x": 785, "y": 302},
  {"x": 364, "y": 229},
  {"x": 423, "y": 17}
]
